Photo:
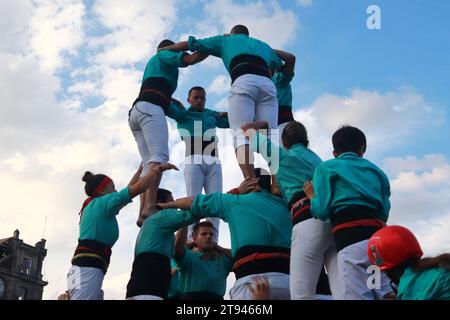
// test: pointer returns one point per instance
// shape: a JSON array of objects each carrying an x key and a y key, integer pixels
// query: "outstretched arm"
[
  {"x": 289, "y": 61},
  {"x": 150, "y": 178},
  {"x": 136, "y": 176},
  {"x": 180, "y": 46},
  {"x": 191, "y": 59},
  {"x": 182, "y": 203}
]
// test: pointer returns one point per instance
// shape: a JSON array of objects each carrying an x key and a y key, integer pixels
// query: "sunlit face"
[
  {"x": 197, "y": 99},
  {"x": 204, "y": 238}
]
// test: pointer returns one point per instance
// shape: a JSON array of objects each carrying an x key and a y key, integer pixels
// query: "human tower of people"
[{"x": 304, "y": 223}]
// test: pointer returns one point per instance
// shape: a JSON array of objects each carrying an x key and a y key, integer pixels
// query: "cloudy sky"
[{"x": 70, "y": 69}]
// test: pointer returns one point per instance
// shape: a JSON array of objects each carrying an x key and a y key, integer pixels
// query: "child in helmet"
[{"x": 397, "y": 252}]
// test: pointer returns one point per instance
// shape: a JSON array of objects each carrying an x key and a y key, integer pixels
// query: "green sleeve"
[
  {"x": 172, "y": 58},
  {"x": 222, "y": 122},
  {"x": 212, "y": 205},
  {"x": 176, "y": 113},
  {"x": 173, "y": 219},
  {"x": 323, "y": 193},
  {"x": 212, "y": 46},
  {"x": 282, "y": 80},
  {"x": 116, "y": 200}
]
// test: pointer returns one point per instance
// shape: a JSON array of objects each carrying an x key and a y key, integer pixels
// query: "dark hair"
[
  {"x": 349, "y": 139},
  {"x": 163, "y": 195},
  {"x": 198, "y": 225},
  {"x": 165, "y": 43},
  {"x": 92, "y": 181},
  {"x": 419, "y": 265},
  {"x": 264, "y": 178},
  {"x": 240, "y": 29},
  {"x": 196, "y": 88},
  {"x": 294, "y": 133}
]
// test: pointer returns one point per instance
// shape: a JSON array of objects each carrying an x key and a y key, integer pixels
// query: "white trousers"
[
  {"x": 312, "y": 247},
  {"x": 149, "y": 127},
  {"x": 85, "y": 283},
  {"x": 252, "y": 98},
  {"x": 278, "y": 286},
  {"x": 203, "y": 172},
  {"x": 353, "y": 263}
]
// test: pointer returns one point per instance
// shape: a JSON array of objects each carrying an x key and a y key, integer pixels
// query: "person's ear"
[{"x": 335, "y": 153}]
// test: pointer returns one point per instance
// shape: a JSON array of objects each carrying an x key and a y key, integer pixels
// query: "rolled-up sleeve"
[
  {"x": 212, "y": 46},
  {"x": 212, "y": 205}
]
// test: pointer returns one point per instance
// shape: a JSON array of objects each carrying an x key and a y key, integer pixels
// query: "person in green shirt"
[
  {"x": 99, "y": 230},
  {"x": 197, "y": 127},
  {"x": 147, "y": 118},
  {"x": 151, "y": 272},
  {"x": 396, "y": 251},
  {"x": 249, "y": 62},
  {"x": 260, "y": 233},
  {"x": 203, "y": 269},
  {"x": 352, "y": 194}
]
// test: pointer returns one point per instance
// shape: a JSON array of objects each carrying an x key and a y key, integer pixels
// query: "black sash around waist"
[
  {"x": 261, "y": 265},
  {"x": 300, "y": 210},
  {"x": 93, "y": 254},
  {"x": 248, "y": 64},
  {"x": 155, "y": 90},
  {"x": 150, "y": 275},
  {"x": 355, "y": 224}
]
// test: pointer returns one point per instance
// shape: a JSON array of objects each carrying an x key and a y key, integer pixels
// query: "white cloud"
[
  {"x": 220, "y": 85},
  {"x": 386, "y": 119},
  {"x": 57, "y": 29},
  {"x": 266, "y": 20},
  {"x": 305, "y": 3}
]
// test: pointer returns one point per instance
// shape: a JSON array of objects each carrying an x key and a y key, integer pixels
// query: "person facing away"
[
  {"x": 353, "y": 194},
  {"x": 99, "y": 229},
  {"x": 203, "y": 269},
  {"x": 396, "y": 251},
  {"x": 151, "y": 272},
  {"x": 313, "y": 245},
  {"x": 260, "y": 234},
  {"x": 249, "y": 62},
  {"x": 197, "y": 127},
  {"x": 147, "y": 118}
]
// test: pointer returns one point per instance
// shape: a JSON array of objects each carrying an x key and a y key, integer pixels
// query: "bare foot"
[{"x": 150, "y": 212}]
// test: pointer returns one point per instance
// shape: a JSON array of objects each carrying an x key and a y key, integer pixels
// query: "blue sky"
[{"x": 70, "y": 69}]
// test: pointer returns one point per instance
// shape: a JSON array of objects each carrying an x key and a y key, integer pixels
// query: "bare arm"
[
  {"x": 180, "y": 46},
  {"x": 182, "y": 203},
  {"x": 150, "y": 178},
  {"x": 289, "y": 61},
  {"x": 136, "y": 176},
  {"x": 180, "y": 242},
  {"x": 191, "y": 59},
  {"x": 308, "y": 189}
]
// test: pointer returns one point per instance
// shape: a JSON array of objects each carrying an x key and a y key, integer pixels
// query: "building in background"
[{"x": 20, "y": 269}]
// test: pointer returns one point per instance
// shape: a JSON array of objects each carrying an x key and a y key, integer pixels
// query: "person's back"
[
  {"x": 353, "y": 194},
  {"x": 430, "y": 284}
]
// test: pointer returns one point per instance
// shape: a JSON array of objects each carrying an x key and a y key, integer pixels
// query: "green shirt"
[
  {"x": 198, "y": 275},
  {"x": 257, "y": 218},
  {"x": 349, "y": 180},
  {"x": 99, "y": 217},
  {"x": 431, "y": 284},
  {"x": 165, "y": 64},
  {"x": 231, "y": 46},
  {"x": 157, "y": 231},
  {"x": 284, "y": 91},
  {"x": 193, "y": 123},
  {"x": 296, "y": 164}
]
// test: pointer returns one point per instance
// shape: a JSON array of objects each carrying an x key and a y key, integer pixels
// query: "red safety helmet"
[{"x": 391, "y": 246}]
